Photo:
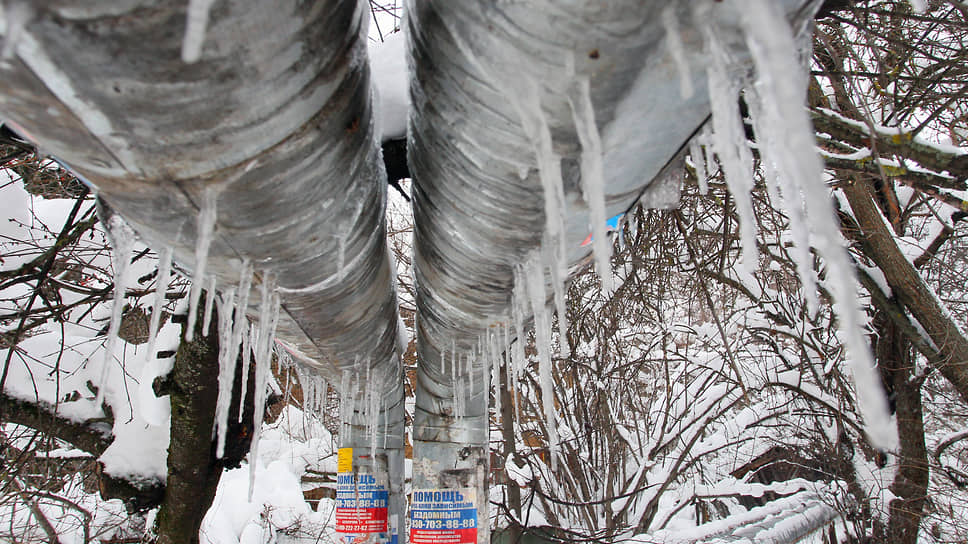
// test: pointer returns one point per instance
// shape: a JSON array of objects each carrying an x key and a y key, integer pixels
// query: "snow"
[
  {"x": 139, "y": 450},
  {"x": 894, "y": 133},
  {"x": 390, "y": 81},
  {"x": 520, "y": 474},
  {"x": 919, "y": 5},
  {"x": 157, "y": 411},
  {"x": 757, "y": 525},
  {"x": 492, "y": 360},
  {"x": 276, "y": 510}
]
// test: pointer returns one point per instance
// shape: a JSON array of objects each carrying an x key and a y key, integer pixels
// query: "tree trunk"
[
  {"x": 893, "y": 352},
  {"x": 909, "y": 287},
  {"x": 192, "y": 473}
]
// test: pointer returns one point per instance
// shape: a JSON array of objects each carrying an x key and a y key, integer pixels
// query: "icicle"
[
  {"x": 340, "y": 255},
  {"x": 322, "y": 394},
  {"x": 455, "y": 386},
  {"x": 507, "y": 363},
  {"x": 196, "y": 24},
  {"x": 344, "y": 392},
  {"x": 634, "y": 226},
  {"x": 495, "y": 373},
  {"x": 403, "y": 338},
  {"x": 314, "y": 394},
  {"x": 782, "y": 189},
  {"x": 122, "y": 240},
  {"x": 453, "y": 360},
  {"x": 231, "y": 325},
  {"x": 461, "y": 380},
  {"x": 247, "y": 361},
  {"x": 536, "y": 290},
  {"x": 549, "y": 170},
  {"x": 161, "y": 289},
  {"x": 206, "y": 229},
  {"x": 518, "y": 358},
  {"x": 475, "y": 353},
  {"x": 16, "y": 15},
  {"x": 386, "y": 424},
  {"x": 263, "y": 362},
  {"x": 465, "y": 390},
  {"x": 459, "y": 393},
  {"x": 780, "y": 87},
  {"x": 559, "y": 278},
  {"x": 209, "y": 304},
  {"x": 592, "y": 177},
  {"x": 372, "y": 399},
  {"x": 536, "y": 127},
  {"x": 699, "y": 162},
  {"x": 240, "y": 323},
  {"x": 226, "y": 365},
  {"x": 729, "y": 142},
  {"x": 673, "y": 40}
]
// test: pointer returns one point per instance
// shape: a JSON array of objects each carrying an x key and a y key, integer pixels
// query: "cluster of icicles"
[
  {"x": 255, "y": 340},
  {"x": 360, "y": 397}
]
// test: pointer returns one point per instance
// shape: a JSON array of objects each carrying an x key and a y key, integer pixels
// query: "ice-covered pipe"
[
  {"x": 256, "y": 114},
  {"x": 531, "y": 124}
]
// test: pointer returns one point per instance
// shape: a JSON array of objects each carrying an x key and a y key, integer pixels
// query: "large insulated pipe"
[
  {"x": 531, "y": 123},
  {"x": 262, "y": 109}
]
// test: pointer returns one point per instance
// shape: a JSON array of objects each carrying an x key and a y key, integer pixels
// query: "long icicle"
[
  {"x": 209, "y": 304},
  {"x": 780, "y": 89},
  {"x": 226, "y": 367},
  {"x": 206, "y": 229},
  {"x": 263, "y": 362},
  {"x": 592, "y": 177},
  {"x": 122, "y": 239},
  {"x": 161, "y": 289},
  {"x": 534, "y": 275},
  {"x": 729, "y": 143}
]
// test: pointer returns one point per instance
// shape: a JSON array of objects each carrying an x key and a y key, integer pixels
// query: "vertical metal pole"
[
  {"x": 370, "y": 495},
  {"x": 450, "y": 469}
]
